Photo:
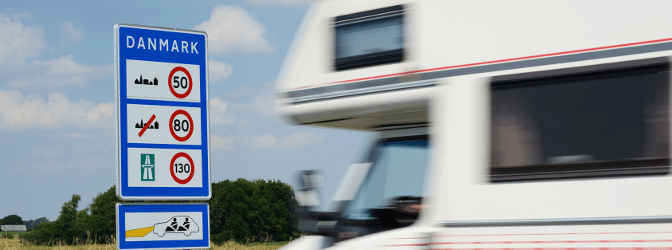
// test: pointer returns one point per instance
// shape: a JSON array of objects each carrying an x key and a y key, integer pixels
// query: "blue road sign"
[
  {"x": 163, "y": 226},
  {"x": 162, "y": 113}
]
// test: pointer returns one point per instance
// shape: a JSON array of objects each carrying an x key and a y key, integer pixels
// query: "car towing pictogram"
[{"x": 176, "y": 224}]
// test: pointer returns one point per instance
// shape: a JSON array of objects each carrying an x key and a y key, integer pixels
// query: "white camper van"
[{"x": 501, "y": 124}]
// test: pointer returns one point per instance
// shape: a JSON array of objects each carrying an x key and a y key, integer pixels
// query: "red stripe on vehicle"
[
  {"x": 548, "y": 242},
  {"x": 492, "y": 62},
  {"x": 478, "y": 235}
]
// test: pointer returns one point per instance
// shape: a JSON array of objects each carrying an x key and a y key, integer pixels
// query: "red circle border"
[
  {"x": 170, "y": 85},
  {"x": 191, "y": 127},
  {"x": 172, "y": 171}
]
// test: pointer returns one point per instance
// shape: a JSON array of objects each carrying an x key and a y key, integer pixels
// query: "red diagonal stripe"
[{"x": 142, "y": 131}]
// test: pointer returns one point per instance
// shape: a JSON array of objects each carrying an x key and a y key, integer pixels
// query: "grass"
[
  {"x": 9, "y": 235},
  {"x": 15, "y": 244}
]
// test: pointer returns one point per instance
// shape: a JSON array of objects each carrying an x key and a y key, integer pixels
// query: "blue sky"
[{"x": 57, "y": 110}]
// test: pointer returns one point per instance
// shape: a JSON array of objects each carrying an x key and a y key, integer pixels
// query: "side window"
[
  {"x": 369, "y": 38},
  {"x": 600, "y": 121}
]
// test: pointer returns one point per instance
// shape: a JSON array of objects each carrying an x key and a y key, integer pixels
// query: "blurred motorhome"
[{"x": 501, "y": 124}]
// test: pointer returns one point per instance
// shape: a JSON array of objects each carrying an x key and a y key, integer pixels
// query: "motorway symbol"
[
  {"x": 147, "y": 167},
  {"x": 181, "y": 82},
  {"x": 147, "y": 82},
  {"x": 182, "y": 169},
  {"x": 147, "y": 125},
  {"x": 181, "y": 125}
]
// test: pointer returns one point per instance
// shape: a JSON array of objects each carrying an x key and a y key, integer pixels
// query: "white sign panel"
[
  {"x": 163, "y": 81},
  {"x": 163, "y": 226},
  {"x": 148, "y": 167},
  {"x": 163, "y": 124}
]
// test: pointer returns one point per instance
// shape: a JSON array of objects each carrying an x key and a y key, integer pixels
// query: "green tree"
[
  {"x": 67, "y": 229},
  {"x": 64, "y": 226},
  {"x": 257, "y": 210},
  {"x": 32, "y": 224},
  {"x": 102, "y": 223},
  {"x": 12, "y": 220}
]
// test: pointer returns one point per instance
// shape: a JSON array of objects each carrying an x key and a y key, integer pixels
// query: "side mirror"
[
  {"x": 401, "y": 211},
  {"x": 310, "y": 182},
  {"x": 308, "y": 196}
]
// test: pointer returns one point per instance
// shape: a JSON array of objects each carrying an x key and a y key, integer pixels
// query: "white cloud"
[
  {"x": 61, "y": 72},
  {"x": 300, "y": 139},
  {"x": 264, "y": 141},
  {"x": 221, "y": 143},
  {"x": 26, "y": 112},
  {"x": 219, "y": 70},
  {"x": 218, "y": 115},
  {"x": 70, "y": 33},
  {"x": 230, "y": 28},
  {"x": 19, "y": 42},
  {"x": 279, "y": 2}
]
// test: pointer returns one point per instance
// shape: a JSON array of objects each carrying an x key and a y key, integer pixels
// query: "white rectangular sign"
[
  {"x": 163, "y": 81},
  {"x": 163, "y": 124},
  {"x": 150, "y": 167},
  {"x": 163, "y": 226}
]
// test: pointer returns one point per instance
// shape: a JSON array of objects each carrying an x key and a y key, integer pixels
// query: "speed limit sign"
[
  {"x": 180, "y": 82},
  {"x": 182, "y": 172},
  {"x": 181, "y": 125}
]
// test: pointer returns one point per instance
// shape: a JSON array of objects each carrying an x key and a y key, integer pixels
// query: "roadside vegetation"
[
  {"x": 16, "y": 244},
  {"x": 244, "y": 214}
]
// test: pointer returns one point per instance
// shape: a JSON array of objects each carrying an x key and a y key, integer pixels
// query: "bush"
[
  {"x": 241, "y": 210},
  {"x": 102, "y": 224},
  {"x": 66, "y": 229},
  {"x": 258, "y": 210},
  {"x": 32, "y": 224},
  {"x": 11, "y": 220},
  {"x": 93, "y": 224}
]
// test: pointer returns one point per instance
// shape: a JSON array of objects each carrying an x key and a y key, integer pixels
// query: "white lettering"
[
  {"x": 141, "y": 43},
  {"x": 151, "y": 44},
  {"x": 185, "y": 46},
  {"x": 193, "y": 47},
  {"x": 130, "y": 42},
  {"x": 163, "y": 43},
  {"x": 175, "y": 47}
]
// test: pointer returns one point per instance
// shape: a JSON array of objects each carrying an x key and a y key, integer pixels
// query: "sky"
[{"x": 57, "y": 104}]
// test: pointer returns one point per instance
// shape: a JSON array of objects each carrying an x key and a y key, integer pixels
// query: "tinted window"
[
  {"x": 369, "y": 38},
  {"x": 591, "y": 124}
]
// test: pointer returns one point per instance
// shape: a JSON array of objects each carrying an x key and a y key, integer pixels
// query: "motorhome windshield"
[{"x": 396, "y": 178}]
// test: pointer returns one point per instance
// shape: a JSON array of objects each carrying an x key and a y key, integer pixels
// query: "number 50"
[{"x": 180, "y": 82}]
